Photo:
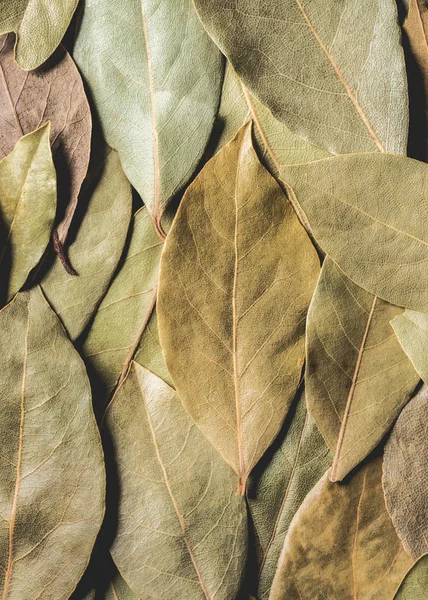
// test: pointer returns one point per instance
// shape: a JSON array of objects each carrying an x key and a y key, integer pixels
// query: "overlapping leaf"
[
  {"x": 27, "y": 208},
  {"x": 39, "y": 26},
  {"x": 358, "y": 377},
  {"x": 164, "y": 73},
  {"x": 237, "y": 274},
  {"x": 182, "y": 530},
  {"x": 278, "y": 485},
  {"x": 415, "y": 585},
  {"x": 352, "y": 87},
  {"x": 411, "y": 329},
  {"x": 54, "y": 92},
  {"x": 149, "y": 351},
  {"x": 342, "y": 543},
  {"x": 95, "y": 248},
  {"x": 405, "y": 480},
  {"x": 53, "y": 484}
]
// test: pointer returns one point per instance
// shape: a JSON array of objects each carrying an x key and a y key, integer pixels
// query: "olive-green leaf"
[
  {"x": 122, "y": 316},
  {"x": 342, "y": 544},
  {"x": 149, "y": 351},
  {"x": 53, "y": 482},
  {"x": 411, "y": 329},
  {"x": 182, "y": 530},
  {"x": 365, "y": 212},
  {"x": 279, "y": 484},
  {"x": 39, "y": 26},
  {"x": 332, "y": 71},
  {"x": 156, "y": 89},
  {"x": 95, "y": 248},
  {"x": 415, "y": 585},
  {"x": 405, "y": 480},
  {"x": 27, "y": 208},
  {"x": 357, "y": 376},
  {"x": 237, "y": 274}
]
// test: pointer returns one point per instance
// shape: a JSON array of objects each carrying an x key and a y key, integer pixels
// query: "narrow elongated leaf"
[
  {"x": 342, "y": 543},
  {"x": 411, "y": 329},
  {"x": 237, "y": 274},
  {"x": 182, "y": 530},
  {"x": 96, "y": 248},
  {"x": 53, "y": 92},
  {"x": 39, "y": 26},
  {"x": 405, "y": 480},
  {"x": 166, "y": 76},
  {"x": 380, "y": 244},
  {"x": 125, "y": 310},
  {"x": 415, "y": 585},
  {"x": 357, "y": 376},
  {"x": 53, "y": 484},
  {"x": 278, "y": 485},
  {"x": 27, "y": 208},
  {"x": 355, "y": 77}
]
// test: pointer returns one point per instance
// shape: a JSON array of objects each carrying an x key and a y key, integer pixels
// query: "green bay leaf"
[
  {"x": 237, "y": 274},
  {"x": 166, "y": 75},
  {"x": 182, "y": 530},
  {"x": 52, "y": 487},
  {"x": 415, "y": 585},
  {"x": 27, "y": 208},
  {"x": 411, "y": 329}
]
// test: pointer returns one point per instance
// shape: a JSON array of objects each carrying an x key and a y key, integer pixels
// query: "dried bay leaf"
[
  {"x": 411, "y": 329},
  {"x": 96, "y": 247},
  {"x": 166, "y": 75},
  {"x": 361, "y": 94},
  {"x": 365, "y": 212},
  {"x": 54, "y": 92},
  {"x": 415, "y": 585},
  {"x": 149, "y": 351},
  {"x": 182, "y": 530},
  {"x": 278, "y": 485},
  {"x": 27, "y": 208},
  {"x": 342, "y": 543},
  {"x": 39, "y": 26},
  {"x": 122, "y": 316},
  {"x": 53, "y": 483},
  {"x": 237, "y": 274},
  {"x": 357, "y": 376},
  {"x": 404, "y": 475}
]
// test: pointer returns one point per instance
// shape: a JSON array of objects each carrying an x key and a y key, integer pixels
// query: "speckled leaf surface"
[
  {"x": 354, "y": 85},
  {"x": 95, "y": 248},
  {"x": 342, "y": 543},
  {"x": 237, "y": 274},
  {"x": 415, "y": 585},
  {"x": 411, "y": 329},
  {"x": 182, "y": 530},
  {"x": 39, "y": 26},
  {"x": 27, "y": 208},
  {"x": 404, "y": 475},
  {"x": 357, "y": 376},
  {"x": 166, "y": 75},
  {"x": 53, "y": 484},
  {"x": 278, "y": 485}
]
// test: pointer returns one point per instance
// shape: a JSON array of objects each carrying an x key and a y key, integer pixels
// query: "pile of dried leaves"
[{"x": 214, "y": 281}]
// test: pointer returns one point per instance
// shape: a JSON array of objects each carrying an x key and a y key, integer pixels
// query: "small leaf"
[
  {"x": 39, "y": 28},
  {"x": 357, "y": 376},
  {"x": 279, "y": 484},
  {"x": 182, "y": 530},
  {"x": 339, "y": 98},
  {"x": 342, "y": 543},
  {"x": 54, "y": 92},
  {"x": 27, "y": 208},
  {"x": 122, "y": 316},
  {"x": 51, "y": 460},
  {"x": 405, "y": 481},
  {"x": 415, "y": 585},
  {"x": 365, "y": 212},
  {"x": 97, "y": 246},
  {"x": 411, "y": 329},
  {"x": 237, "y": 274},
  {"x": 166, "y": 77}
]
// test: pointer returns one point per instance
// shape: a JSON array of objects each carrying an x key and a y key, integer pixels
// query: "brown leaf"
[{"x": 52, "y": 92}]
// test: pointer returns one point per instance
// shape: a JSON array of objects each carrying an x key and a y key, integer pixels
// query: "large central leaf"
[{"x": 237, "y": 273}]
